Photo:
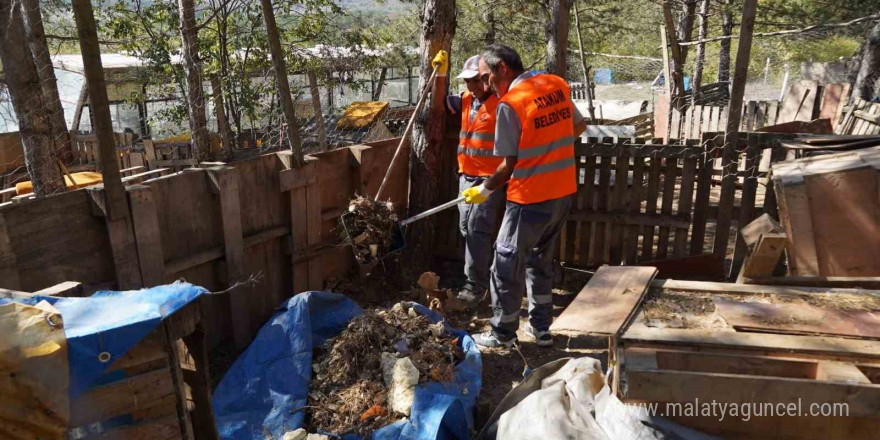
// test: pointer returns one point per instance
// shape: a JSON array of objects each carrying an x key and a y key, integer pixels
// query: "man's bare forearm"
[{"x": 502, "y": 174}]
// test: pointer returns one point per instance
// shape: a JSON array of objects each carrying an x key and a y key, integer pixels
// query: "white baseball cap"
[{"x": 471, "y": 68}]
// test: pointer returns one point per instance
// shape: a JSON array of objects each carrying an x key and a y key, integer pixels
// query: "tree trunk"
[
  {"x": 866, "y": 86},
  {"x": 724, "y": 55},
  {"x": 23, "y": 83},
  {"x": 43, "y": 62},
  {"x": 195, "y": 97},
  {"x": 686, "y": 26},
  {"x": 577, "y": 28},
  {"x": 556, "y": 34},
  {"x": 222, "y": 122},
  {"x": 490, "y": 26},
  {"x": 316, "y": 106},
  {"x": 380, "y": 84},
  {"x": 701, "y": 51},
  {"x": 283, "y": 84},
  {"x": 438, "y": 22}
]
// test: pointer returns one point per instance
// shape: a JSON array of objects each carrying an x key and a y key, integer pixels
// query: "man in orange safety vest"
[{"x": 476, "y": 163}]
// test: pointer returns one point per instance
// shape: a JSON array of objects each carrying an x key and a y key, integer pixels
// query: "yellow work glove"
[
  {"x": 441, "y": 63},
  {"x": 476, "y": 194}
]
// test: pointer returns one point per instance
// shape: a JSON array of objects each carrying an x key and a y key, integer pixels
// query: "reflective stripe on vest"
[
  {"x": 477, "y": 138},
  {"x": 545, "y": 169}
]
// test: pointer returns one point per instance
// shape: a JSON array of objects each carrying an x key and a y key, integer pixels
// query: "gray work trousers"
[
  {"x": 524, "y": 264},
  {"x": 477, "y": 224}
]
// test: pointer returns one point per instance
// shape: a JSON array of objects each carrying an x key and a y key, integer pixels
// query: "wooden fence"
[
  {"x": 641, "y": 201},
  {"x": 700, "y": 119},
  {"x": 211, "y": 226}
]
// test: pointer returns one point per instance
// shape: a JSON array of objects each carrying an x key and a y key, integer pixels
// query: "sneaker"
[
  {"x": 488, "y": 339},
  {"x": 543, "y": 339}
]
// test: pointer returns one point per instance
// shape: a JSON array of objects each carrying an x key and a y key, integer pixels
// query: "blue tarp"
[
  {"x": 112, "y": 322},
  {"x": 264, "y": 393}
]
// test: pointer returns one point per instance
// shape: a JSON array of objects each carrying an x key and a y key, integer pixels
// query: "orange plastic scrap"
[
  {"x": 80, "y": 180},
  {"x": 374, "y": 411}
]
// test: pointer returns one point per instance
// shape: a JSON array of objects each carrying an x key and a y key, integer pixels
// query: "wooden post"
[
  {"x": 316, "y": 106},
  {"x": 8, "y": 263},
  {"x": 305, "y": 224},
  {"x": 122, "y": 240},
  {"x": 577, "y": 28},
  {"x": 282, "y": 82},
  {"x": 667, "y": 84},
  {"x": 147, "y": 235},
  {"x": 225, "y": 181},
  {"x": 731, "y": 136},
  {"x": 116, "y": 204},
  {"x": 78, "y": 111}
]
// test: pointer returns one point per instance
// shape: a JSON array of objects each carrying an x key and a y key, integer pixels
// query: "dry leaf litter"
[
  {"x": 364, "y": 378},
  {"x": 370, "y": 226}
]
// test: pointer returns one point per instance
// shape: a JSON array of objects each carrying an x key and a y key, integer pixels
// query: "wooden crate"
[
  {"x": 829, "y": 206},
  {"x": 159, "y": 390},
  {"x": 686, "y": 365}
]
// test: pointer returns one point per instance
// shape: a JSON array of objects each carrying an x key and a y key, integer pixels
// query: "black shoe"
[{"x": 488, "y": 339}]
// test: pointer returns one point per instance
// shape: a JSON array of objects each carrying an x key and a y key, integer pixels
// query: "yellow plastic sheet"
[
  {"x": 361, "y": 114},
  {"x": 80, "y": 180}
]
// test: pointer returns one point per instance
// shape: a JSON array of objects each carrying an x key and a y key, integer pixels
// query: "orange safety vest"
[
  {"x": 545, "y": 169},
  {"x": 477, "y": 138}
]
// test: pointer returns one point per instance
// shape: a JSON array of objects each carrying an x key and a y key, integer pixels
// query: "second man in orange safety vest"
[{"x": 476, "y": 163}]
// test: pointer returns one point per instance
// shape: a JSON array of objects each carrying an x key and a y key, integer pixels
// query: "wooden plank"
[
  {"x": 845, "y": 91},
  {"x": 226, "y": 181},
  {"x": 670, "y": 169},
  {"x": 704, "y": 188},
  {"x": 652, "y": 193},
  {"x": 798, "y": 319},
  {"x": 602, "y": 228},
  {"x": 831, "y": 95},
  {"x": 753, "y": 289},
  {"x": 799, "y": 102},
  {"x": 147, "y": 235},
  {"x": 747, "y": 200},
  {"x": 634, "y": 208},
  {"x": 772, "y": 113},
  {"x": 8, "y": 261},
  {"x": 67, "y": 289},
  {"x": 685, "y": 202},
  {"x": 820, "y": 346},
  {"x": 605, "y": 305},
  {"x": 313, "y": 220},
  {"x": 586, "y": 201},
  {"x": 841, "y": 372},
  {"x": 655, "y": 385},
  {"x": 762, "y": 260},
  {"x": 845, "y": 244},
  {"x": 727, "y": 200},
  {"x": 197, "y": 376},
  {"x": 863, "y": 282},
  {"x": 163, "y": 428},
  {"x": 618, "y": 204},
  {"x": 794, "y": 214},
  {"x": 721, "y": 363},
  {"x": 120, "y": 397},
  {"x": 180, "y": 395}
]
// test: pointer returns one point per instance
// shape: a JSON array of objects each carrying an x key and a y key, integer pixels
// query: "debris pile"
[
  {"x": 365, "y": 377},
  {"x": 370, "y": 226}
]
